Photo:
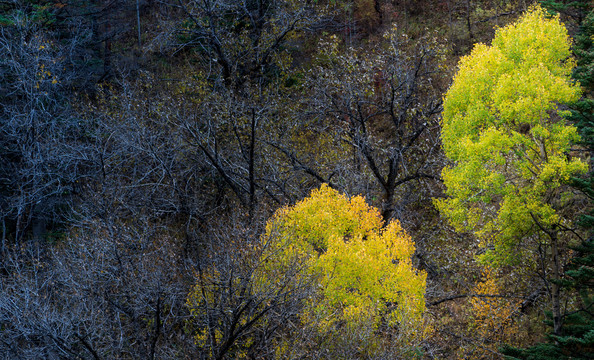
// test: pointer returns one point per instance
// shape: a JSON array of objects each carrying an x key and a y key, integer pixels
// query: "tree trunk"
[
  {"x": 138, "y": 23},
  {"x": 468, "y": 24},
  {"x": 251, "y": 164},
  {"x": 555, "y": 288}
]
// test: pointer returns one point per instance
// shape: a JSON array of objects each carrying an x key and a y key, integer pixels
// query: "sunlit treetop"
[
  {"x": 514, "y": 84},
  {"x": 363, "y": 269},
  {"x": 503, "y": 130}
]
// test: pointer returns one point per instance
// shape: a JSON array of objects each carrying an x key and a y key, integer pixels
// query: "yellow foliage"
[
  {"x": 364, "y": 271},
  {"x": 501, "y": 130},
  {"x": 353, "y": 275},
  {"x": 492, "y": 317}
]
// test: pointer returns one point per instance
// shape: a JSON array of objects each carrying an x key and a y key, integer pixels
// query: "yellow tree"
[
  {"x": 326, "y": 276},
  {"x": 509, "y": 145},
  {"x": 365, "y": 279}
]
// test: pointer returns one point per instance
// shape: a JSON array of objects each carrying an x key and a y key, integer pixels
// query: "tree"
[
  {"x": 582, "y": 112},
  {"x": 576, "y": 340},
  {"x": 367, "y": 285},
  {"x": 109, "y": 290},
  {"x": 45, "y": 147},
  {"x": 234, "y": 314},
  {"x": 510, "y": 148},
  {"x": 239, "y": 95},
  {"x": 382, "y": 104},
  {"x": 326, "y": 279}
]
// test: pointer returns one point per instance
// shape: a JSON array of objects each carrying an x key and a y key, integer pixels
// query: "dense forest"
[{"x": 296, "y": 179}]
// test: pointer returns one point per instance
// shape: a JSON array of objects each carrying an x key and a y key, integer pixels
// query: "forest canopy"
[{"x": 284, "y": 179}]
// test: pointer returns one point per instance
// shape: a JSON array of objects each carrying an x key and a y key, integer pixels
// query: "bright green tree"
[
  {"x": 577, "y": 338},
  {"x": 509, "y": 144},
  {"x": 365, "y": 279}
]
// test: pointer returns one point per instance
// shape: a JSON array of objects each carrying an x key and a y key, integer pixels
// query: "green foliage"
[
  {"x": 577, "y": 339},
  {"x": 364, "y": 270},
  {"x": 503, "y": 131},
  {"x": 6, "y": 20},
  {"x": 42, "y": 13},
  {"x": 582, "y": 111},
  {"x": 566, "y": 6}
]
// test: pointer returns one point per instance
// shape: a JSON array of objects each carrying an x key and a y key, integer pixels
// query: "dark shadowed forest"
[{"x": 296, "y": 179}]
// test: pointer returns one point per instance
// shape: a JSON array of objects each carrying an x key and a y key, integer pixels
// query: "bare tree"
[
  {"x": 245, "y": 62},
  {"x": 237, "y": 309},
  {"x": 44, "y": 145},
  {"x": 384, "y": 103},
  {"x": 109, "y": 291}
]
